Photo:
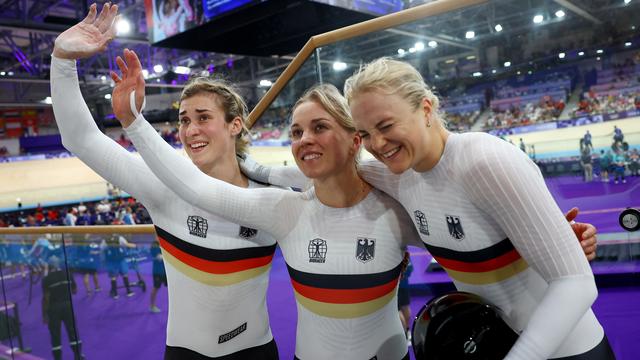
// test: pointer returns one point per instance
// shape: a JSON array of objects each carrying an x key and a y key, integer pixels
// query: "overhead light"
[
  {"x": 498, "y": 27},
  {"x": 470, "y": 34},
  {"x": 419, "y": 46},
  {"x": 627, "y": 1},
  {"x": 265, "y": 83},
  {"x": 477, "y": 74},
  {"x": 507, "y": 63},
  {"x": 598, "y": 58},
  {"x": 529, "y": 72},
  {"x": 158, "y": 68},
  {"x": 599, "y": 51},
  {"x": 145, "y": 73},
  {"x": 123, "y": 27},
  {"x": 107, "y": 96},
  {"x": 433, "y": 44},
  {"x": 471, "y": 57},
  {"x": 10, "y": 73},
  {"x": 494, "y": 71},
  {"x": 581, "y": 53},
  {"x": 412, "y": 50},
  {"x": 560, "y": 14},
  {"x": 449, "y": 61},
  {"x": 538, "y": 19},
  {"x": 401, "y": 51},
  {"x": 519, "y": 72},
  {"x": 158, "y": 80},
  {"x": 627, "y": 44},
  {"x": 338, "y": 66},
  {"x": 561, "y": 55},
  {"x": 47, "y": 100},
  {"x": 2, "y": 73},
  {"x": 181, "y": 70},
  {"x": 103, "y": 78}
]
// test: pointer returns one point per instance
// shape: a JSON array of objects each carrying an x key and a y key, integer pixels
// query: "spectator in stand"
[
  {"x": 70, "y": 219},
  {"x": 523, "y": 147},
  {"x": 586, "y": 162},
  {"x": 587, "y": 140},
  {"x": 128, "y": 218},
  {"x": 605, "y": 164}
]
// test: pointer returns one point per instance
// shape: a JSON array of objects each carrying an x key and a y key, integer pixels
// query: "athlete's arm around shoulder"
[
  {"x": 377, "y": 174},
  {"x": 79, "y": 132},
  {"x": 400, "y": 221},
  {"x": 501, "y": 180},
  {"x": 269, "y": 209}
]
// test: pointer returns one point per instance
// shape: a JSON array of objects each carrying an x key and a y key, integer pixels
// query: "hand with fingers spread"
[
  {"x": 131, "y": 80},
  {"x": 88, "y": 37},
  {"x": 586, "y": 234}
]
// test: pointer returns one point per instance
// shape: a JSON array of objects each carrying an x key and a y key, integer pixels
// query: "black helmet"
[{"x": 461, "y": 326}]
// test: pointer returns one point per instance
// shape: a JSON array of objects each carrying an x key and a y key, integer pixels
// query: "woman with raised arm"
[
  {"x": 217, "y": 271},
  {"x": 487, "y": 215},
  {"x": 343, "y": 241}
]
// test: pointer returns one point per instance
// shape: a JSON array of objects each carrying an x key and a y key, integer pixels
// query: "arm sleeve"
[
  {"x": 506, "y": 184},
  {"x": 376, "y": 173},
  {"x": 81, "y": 136},
  {"x": 288, "y": 176},
  {"x": 266, "y": 209}
]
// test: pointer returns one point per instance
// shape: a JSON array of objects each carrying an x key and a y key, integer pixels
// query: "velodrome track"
[{"x": 68, "y": 179}]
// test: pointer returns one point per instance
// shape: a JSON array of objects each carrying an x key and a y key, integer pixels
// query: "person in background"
[
  {"x": 404, "y": 297},
  {"x": 159, "y": 275},
  {"x": 587, "y": 140},
  {"x": 57, "y": 288},
  {"x": 115, "y": 256},
  {"x": 619, "y": 166},
  {"x": 587, "y": 164},
  {"x": 605, "y": 164}
]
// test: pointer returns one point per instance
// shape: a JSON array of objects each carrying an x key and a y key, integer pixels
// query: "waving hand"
[{"x": 88, "y": 37}]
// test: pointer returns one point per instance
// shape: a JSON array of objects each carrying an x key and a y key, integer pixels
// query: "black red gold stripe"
[
  {"x": 214, "y": 266},
  {"x": 490, "y": 265},
  {"x": 344, "y": 296}
]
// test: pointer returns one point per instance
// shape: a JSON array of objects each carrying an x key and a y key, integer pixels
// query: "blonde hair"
[
  {"x": 228, "y": 99},
  {"x": 391, "y": 77},
  {"x": 329, "y": 97}
]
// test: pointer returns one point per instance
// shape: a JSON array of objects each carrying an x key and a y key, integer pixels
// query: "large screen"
[
  {"x": 166, "y": 18},
  {"x": 374, "y": 7}
]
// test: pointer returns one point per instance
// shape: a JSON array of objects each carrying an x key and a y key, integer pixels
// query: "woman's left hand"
[{"x": 131, "y": 80}]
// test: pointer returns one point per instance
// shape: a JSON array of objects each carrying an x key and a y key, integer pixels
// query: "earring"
[{"x": 429, "y": 122}]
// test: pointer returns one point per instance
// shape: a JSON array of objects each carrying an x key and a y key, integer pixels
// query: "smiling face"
[
  {"x": 392, "y": 130},
  {"x": 320, "y": 145},
  {"x": 203, "y": 131}
]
